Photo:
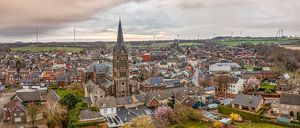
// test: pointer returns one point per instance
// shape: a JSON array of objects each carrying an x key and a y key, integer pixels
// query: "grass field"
[
  {"x": 46, "y": 49},
  {"x": 255, "y": 42},
  {"x": 63, "y": 92},
  {"x": 239, "y": 124},
  {"x": 258, "y": 125},
  {"x": 189, "y": 44}
]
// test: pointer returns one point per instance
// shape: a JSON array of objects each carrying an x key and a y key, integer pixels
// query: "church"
[{"x": 103, "y": 80}]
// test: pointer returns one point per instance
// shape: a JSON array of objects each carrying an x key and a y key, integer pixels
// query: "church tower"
[{"x": 121, "y": 86}]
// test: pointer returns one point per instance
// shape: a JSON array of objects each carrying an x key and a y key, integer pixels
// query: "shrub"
[
  {"x": 217, "y": 124},
  {"x": 246, "y": 115}
]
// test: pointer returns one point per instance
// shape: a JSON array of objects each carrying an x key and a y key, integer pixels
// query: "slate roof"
[
  {"x": 106, "y": 83},
  {"x": 247, "y": 100},
  {"x": 88, "y": 115},
  {"x": 12, "y": 104},
  {"x": 106, "y": 102},
  {"x": 100, "y": 69},
  {"x": 155, "y": 81},
  {"x": 189, "y": 101},
  {"x": 291, "y": 99},
  {"x": 29, "y": 96},
  {"x": 120, "y": 45},
  {"x": 52, "y": 95}
]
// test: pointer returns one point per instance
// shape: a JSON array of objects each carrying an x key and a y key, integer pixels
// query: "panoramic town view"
[{"x": 150, "y": 64}]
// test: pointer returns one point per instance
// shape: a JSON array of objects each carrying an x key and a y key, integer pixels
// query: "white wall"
[
  {"x": 235, "y": 88},
  {"x": 108, "y": 111}
]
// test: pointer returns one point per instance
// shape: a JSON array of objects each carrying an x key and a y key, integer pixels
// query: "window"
[
  {"x": 122, "y": 74},
  {"x": 17, "y": 109},
  {"x": 105, "y": 110}
]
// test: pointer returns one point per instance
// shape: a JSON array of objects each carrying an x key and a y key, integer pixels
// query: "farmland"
[
  {"x": 292, "y": 47},
  {"x": 255, "y": 42},
  {"x": 46, "y": 49}
]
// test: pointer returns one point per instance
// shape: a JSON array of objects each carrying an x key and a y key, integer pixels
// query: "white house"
[
  {"x": 224, "y": 67},
  {"x": 236, "y": 86}
]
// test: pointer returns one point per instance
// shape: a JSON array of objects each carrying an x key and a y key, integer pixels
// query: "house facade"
[
  {"x": 14, "y": 112},
  {"x": 289, "y": 103},
  {"x": 252, "y": 103}
]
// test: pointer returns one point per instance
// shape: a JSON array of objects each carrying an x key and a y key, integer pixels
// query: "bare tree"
[
  {"x": 222, "y": 83},
  {"x": 32, "y": 111}
]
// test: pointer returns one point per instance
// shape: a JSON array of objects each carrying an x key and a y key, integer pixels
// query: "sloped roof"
[
  {"x": 12, "y": 105},
  {"x": 247, "y": 100},
  {"x": 291, "y": 99},
  {"x": 88, "y": 115},
  {"x": 52, "y": 95},
  {"x": 29, "y": 96}
]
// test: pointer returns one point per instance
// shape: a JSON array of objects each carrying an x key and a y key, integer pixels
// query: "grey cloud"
[{"x": 20, "y": 16}]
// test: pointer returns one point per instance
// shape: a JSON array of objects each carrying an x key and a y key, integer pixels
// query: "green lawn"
[
  {"x": 270, "y": 86},
  {"x": 257, "y": 125},
  {"x": 63, "y": 92},
  {"x": 238, "y": 124},
  {"x": 192, "y": 125},
  {"x": 189, "y": 44},
  {"x": 235, "y": 42},
  {"x": 46, "y": 49}
]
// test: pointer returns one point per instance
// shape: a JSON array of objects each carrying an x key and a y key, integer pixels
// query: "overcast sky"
[{"x": 97, "y": 19}]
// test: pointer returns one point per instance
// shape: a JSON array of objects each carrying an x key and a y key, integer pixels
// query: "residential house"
[
  {"x": 26, "y": 96},
  {"x": 158, "y": 83},
  {"x": 236, "y": 86},
  {"x": 14, "y": 112},
  {"x": 52, "y": 99},
  {"x": 289, "y": 103},
  {"x": 251, "y": 103},
  {"x": 92, "y": 116}
]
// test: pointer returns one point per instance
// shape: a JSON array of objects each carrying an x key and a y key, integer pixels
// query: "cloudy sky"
[{"x": 97, "y": 19}]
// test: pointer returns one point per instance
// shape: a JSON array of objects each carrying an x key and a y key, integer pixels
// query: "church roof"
[{"x": 100, "y": 69}]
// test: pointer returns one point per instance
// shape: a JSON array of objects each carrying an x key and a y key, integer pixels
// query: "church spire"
[{"x": 120, "y": 39}]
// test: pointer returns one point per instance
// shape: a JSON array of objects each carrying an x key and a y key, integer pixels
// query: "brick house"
[
  {"x": 289, "y": 103},
  {"x": 14, "y": 112},
  {"x": 251, "y": 103}
]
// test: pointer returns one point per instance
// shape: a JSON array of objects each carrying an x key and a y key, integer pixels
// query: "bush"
[
  {"x": 94, "y": 109},
  {"x": 183, "y": 114},
  {"x": 246, "y": 115},
  {"x": 217, "y": 124}
]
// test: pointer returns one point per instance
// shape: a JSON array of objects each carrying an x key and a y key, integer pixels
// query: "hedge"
[
  {"x": 246, "y": 115},
  {"x": 83, "y": 124},
  {"x": 255, "y": 117}
]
